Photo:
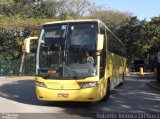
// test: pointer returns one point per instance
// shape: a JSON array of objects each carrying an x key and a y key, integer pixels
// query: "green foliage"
[
  {"x": 9, "y": 47},
  {"x": 10, "y": 34},
  {"x": 154, "y": 35},
  {"x": 141, "y": 38},
  {"x": 44, "y": 10}
]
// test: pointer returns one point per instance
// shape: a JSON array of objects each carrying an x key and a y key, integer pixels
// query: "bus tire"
[
  {"x": 106, "y": 97},
  {"x": 122, "y": 80}
]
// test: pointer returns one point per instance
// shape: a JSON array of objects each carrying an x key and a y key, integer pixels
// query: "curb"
[
  {"x": 18, "y": 77},
  {"x": 153, "y": 86}
]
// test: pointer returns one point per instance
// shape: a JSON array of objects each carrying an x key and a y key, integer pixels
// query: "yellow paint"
[{"x": 70, "y": 87}]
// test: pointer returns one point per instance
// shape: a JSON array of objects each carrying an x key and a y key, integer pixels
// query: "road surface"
[{"x": 18, "y": 96}]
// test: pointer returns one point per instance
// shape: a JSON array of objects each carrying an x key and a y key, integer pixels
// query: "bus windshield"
[{"x": 67, "y": 50}]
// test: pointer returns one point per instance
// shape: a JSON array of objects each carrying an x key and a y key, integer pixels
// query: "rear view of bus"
[{"x": 62, "y": 71}]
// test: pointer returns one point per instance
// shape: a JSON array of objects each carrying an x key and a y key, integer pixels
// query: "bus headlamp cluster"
[
  {"x": 40, "y": 84},
  {"x": 88, "y": 84}
]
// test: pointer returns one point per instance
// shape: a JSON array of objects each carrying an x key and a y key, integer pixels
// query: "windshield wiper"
[
  {"x": 75, "y": 74},
  {"x": 71, "y": 73}
]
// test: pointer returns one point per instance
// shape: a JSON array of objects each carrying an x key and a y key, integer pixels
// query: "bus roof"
[{"x": 69, "y": 21}]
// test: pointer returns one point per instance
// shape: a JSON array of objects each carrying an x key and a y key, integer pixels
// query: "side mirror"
[
  {"x": 27, "y": 43},
  {"x": 100, "y": 41}
]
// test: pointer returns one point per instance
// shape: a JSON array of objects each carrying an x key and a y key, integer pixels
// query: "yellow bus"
[{"x": 78, "y": 60}]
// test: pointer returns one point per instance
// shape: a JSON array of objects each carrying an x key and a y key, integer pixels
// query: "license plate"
[{"x": 65, "y": 95}]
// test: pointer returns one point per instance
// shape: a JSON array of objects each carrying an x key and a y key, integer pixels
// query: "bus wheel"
[
  {"x": 106, "y": 97},
  {"x": 122, "y": 80}
]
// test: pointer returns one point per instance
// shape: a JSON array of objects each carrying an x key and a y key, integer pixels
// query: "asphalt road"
[{"x": 17, "y": 96}]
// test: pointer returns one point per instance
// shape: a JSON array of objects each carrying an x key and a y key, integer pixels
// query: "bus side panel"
[{"x": 115, "y": 69}]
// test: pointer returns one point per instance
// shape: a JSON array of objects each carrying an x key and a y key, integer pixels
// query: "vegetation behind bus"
[{"x": 141, "y": 37}]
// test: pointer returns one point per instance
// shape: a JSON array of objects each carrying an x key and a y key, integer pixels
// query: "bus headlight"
[
  {"x": 40, "y": 84},
  {"x": 88, "y": 84}
]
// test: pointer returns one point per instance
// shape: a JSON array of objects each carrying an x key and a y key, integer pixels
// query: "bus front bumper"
[{"x": 85, "y": 95}]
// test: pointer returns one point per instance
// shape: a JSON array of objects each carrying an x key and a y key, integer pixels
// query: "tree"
[
  {"x": 45, "y": 9},
  {"x": 13, "y": 30},
  {"x": 112, "y": 18},
  {"x": 73, "y": 8},
  {"x": 154, "y": 35},
  {"x": 132, "y": 33},
  {"x": 9, "y": 48}
]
